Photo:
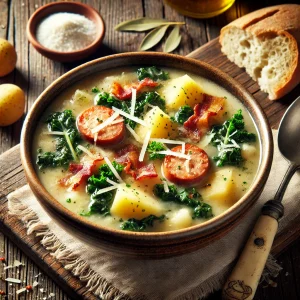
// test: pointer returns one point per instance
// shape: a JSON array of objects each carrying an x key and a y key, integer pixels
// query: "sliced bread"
[{"x": 266, "y": 43}]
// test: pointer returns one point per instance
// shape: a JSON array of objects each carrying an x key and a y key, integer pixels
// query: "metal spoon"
[{"x": 243, "y": 281}]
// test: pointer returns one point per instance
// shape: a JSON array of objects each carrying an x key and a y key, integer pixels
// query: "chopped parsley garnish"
[
  {"x": 153, "y": 148},
  {"x": 101, "y": 203},
  {"x": 189, "y": 197},
  {"x": 153, "y": 73},
  {"x": 183, "y": 114},
  {"x": 228, "y": 137},
  {"x": 141, "y": 225},
  {"x": 95, "y": 90},
  {"x": 65, "y": 145},
  {"x": 68, "y": 200}
]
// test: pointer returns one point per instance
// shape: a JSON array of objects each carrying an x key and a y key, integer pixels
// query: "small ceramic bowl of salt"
[{"x": 66, "y": 31}]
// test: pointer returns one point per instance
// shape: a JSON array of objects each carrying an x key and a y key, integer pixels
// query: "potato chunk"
[
  {"x": 132, "y": 203},
  {"x": 82, "y": 97},
  {"x": 181, "y": 219},
  {"x": 222, "y": 188},
  {"x": 248, "y": 151},
  {"x": 182, "y": 91},
  {"x": 160, "y": 124}
]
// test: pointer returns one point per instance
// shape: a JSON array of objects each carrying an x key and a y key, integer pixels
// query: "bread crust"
[{"x": 275, "y": 20}]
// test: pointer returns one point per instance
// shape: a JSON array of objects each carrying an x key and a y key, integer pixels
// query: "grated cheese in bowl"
[{"x": 66, "y": 32}]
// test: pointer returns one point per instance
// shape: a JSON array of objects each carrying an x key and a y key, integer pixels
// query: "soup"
[{"x": 146, "y": 149}]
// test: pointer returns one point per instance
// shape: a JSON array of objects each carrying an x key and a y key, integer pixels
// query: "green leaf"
[
  {"x": 173, "y": 40},
  {"x": 153, "y": 37},
  {"x": 143, "y": 24}
]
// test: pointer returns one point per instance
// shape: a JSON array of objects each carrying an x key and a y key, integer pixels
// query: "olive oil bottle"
[{"x": 200, "y": 8}]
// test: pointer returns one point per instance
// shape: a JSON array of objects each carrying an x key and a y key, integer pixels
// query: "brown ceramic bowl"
[
  {"x": 70, "y": 7},
  {"x": 147, "y": 245}
]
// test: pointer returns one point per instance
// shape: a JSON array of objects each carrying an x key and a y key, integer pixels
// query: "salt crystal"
[
  {"x": 66, "y": 32},
  {"x": 14, "y": 265},
  {"x": 35, "y": 284},
  {"x": 22, "y": 290},
  {"x": 13, "y": 280}
]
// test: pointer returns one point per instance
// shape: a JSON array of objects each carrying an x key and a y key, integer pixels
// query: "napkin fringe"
[{"x": 79, "y": 268}]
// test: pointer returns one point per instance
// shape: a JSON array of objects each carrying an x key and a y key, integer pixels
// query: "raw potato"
[
  {"x": 8, "y": 57},
  {"x": 181, "y": 219},
  {"x": 222, "y": 188},
  {"x": 12, "y": 104},
  {"x": 160, "y": 124},
  {"x": 182, "y": 91},
  {"x": 131, "y": 204}
]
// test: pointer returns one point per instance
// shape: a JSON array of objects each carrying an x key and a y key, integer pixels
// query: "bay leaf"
[
  {"x": 173, "y": 40},
  {"x": 143, "y": 24},
  {"x": 153, "y": 38}
]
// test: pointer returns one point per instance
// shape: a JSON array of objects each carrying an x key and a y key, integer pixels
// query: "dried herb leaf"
[
  {"x": 143, "y": 24},
  {"x": 173, "y": 40},
  {"x": 153, "y": 37}
]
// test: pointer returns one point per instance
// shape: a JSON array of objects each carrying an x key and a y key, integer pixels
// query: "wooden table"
[{"x": 34, "y": 73}]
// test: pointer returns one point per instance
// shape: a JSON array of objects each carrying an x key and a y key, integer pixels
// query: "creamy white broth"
[{"x": 241, "y": 181}]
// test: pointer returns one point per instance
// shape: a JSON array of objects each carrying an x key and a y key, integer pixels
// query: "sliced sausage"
[
  {"x": 186, "y": 172},
  {"x": 95, "y": 115}
]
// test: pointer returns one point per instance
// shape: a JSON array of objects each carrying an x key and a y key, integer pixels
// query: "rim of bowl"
[
  {"x": 36, "y": 18},
  {"x": 254, "y": 109}
]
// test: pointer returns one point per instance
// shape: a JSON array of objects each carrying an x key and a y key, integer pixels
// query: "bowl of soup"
[{"x": 146, "y": 154}]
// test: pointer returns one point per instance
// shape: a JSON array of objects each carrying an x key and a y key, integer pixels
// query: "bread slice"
[{"x": 266, "y": 43}]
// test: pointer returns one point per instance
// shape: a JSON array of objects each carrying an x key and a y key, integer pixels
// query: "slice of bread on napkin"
[{"x": 266, "y": 43}]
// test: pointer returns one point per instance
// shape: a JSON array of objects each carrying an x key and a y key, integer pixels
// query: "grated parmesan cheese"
[
  {"x": 105, "y": 123},
  {"x": 133, "y": 101},
  {"x": 66, "y": 32},
  {"x": 145, "y": 144}
]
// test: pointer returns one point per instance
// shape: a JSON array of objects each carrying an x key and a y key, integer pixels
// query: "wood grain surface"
[{"x": 34, "y": 73}]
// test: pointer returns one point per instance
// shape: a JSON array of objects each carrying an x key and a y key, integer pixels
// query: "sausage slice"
[
  {"x": 186, "y": 172},
  {"x": 95, "y": 115}
]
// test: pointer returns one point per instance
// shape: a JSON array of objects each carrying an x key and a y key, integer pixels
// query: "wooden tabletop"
[{"x": 34, "y": 73}]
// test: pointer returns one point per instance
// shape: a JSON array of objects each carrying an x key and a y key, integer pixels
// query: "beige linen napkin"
[{"x": 191, "y": 276}]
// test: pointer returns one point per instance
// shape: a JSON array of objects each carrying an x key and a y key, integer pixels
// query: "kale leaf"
[
  {"x": 189, "y": 197},
  {"x": 183, "y": 114},
  {"x": 108, "y": 100},
  {"x": 101, "y": 203},
  {"x": 141, "y": 225},
  {"x": 153, "y": 73},
  {"x": 226, "y": 138},
  {"x": 153, "y": 148},
  {"x": 65, "y": 144}
]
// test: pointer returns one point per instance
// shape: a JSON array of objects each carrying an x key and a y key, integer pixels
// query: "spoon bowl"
[
  {"x": 289, "y": 133},
  {"x": 247, "y": 272}
]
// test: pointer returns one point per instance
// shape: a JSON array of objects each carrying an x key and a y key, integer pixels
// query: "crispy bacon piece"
[
  {"x": 75, "y": 168},
  {"x": 81, "y": 176},
  {"x": 125, "y": 93},
  {"x": 79, "y": 173},
  {"x": 146, "y": 171},
  {"x": 129, "y": 158},
  {"x": 198, "y": 124}
]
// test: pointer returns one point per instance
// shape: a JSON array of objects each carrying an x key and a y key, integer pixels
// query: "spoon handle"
[{"x": 243, "y": 281}]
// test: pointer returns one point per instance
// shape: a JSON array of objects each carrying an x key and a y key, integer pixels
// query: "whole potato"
[
  {"x": 8, "y": 57},
  {"x": 12, "y": 104}
]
